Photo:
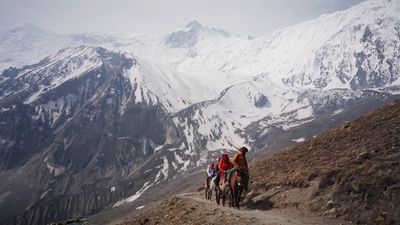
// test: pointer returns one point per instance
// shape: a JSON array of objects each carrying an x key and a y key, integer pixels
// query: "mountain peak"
[
  {"x": 194, "y": 24},
  {"x": 189, "y": 35}
]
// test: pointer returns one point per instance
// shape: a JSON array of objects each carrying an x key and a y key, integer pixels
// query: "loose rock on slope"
[{"x": 351, "y": 171}]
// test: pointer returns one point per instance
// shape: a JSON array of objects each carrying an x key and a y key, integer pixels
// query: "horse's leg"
[
  {"x": 207, "y": 188},
  {"x": 227, "y": 193},
  {"x": 234, "y": 190},
  {"x": 231, "y": 196},
  {"x": 239, "y": 195},
  {"x": 208, "y": 194},
  {"x": 223, "y": 196},
  {"x": 211, "y": 188},
  {"x": 217, "y": 195}
]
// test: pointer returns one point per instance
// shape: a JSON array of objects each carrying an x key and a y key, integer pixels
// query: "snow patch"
[
  {"x": 336, "y": 112},
  {"x": 298, "y": 140},
  {"x": 134, "y": 197},
  {"x": 140, "y": 207},
  {"x": 57, "y": 170}
]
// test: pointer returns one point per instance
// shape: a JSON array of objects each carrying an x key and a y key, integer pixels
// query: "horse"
[
  {"x": 214, "y": 187},
  {"x": 236, "y": 186},
  {"x": 224, "y": 187}
]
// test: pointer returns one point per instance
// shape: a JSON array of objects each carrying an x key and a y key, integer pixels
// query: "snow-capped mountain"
[
  {"x": 100, "y": 119},
  {"x": 27, "y": 44},
  {"x": 338, "y": 50},
  {"x": 332, "y": 51}
]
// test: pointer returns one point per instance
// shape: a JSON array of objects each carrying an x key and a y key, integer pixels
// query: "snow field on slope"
[
  {"x": 74, "y": 62},
  {"x": 221, "y": 121}
]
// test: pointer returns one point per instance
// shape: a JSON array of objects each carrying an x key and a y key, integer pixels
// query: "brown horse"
[{"x": 236, "y": 186}]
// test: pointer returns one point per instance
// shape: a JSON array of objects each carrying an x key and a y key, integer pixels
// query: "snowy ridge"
[
  {"x": 72, "y": 63},
  {"x": 175, "y": 91}
]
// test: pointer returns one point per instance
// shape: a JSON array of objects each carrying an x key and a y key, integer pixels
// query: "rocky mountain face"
[
  {"x": 64, "y": 132},
  {"x": 108, "y": 118}
]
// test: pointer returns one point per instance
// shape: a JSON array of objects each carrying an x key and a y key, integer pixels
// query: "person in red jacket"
[{"x": 224, "y": 165}]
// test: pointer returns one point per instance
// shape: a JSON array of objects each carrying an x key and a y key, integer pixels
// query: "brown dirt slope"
[
  {"x": 194, "y": 209},
  {"x": 351, "y": 172}
]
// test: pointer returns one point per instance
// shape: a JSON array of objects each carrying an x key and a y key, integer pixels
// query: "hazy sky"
[{"x": 254, "y": 17}]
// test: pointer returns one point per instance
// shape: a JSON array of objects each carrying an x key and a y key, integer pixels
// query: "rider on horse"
[
  {"x": 224, "y": 165},
  {"x": 211, "y": 172},
  {"x": 239, "y": 162}
]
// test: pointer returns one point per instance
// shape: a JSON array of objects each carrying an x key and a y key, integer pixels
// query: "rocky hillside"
[
  {"x": 351, "y": 171},
  {"x": 348, "y": 175}
]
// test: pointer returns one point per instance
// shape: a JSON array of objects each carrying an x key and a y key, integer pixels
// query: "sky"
[{"x": 252, "y": 17}]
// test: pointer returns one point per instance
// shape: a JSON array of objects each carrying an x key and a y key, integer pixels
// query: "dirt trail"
[
  {"x": 192, "y": 208},
  {"x": 266, "y": 217}
]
